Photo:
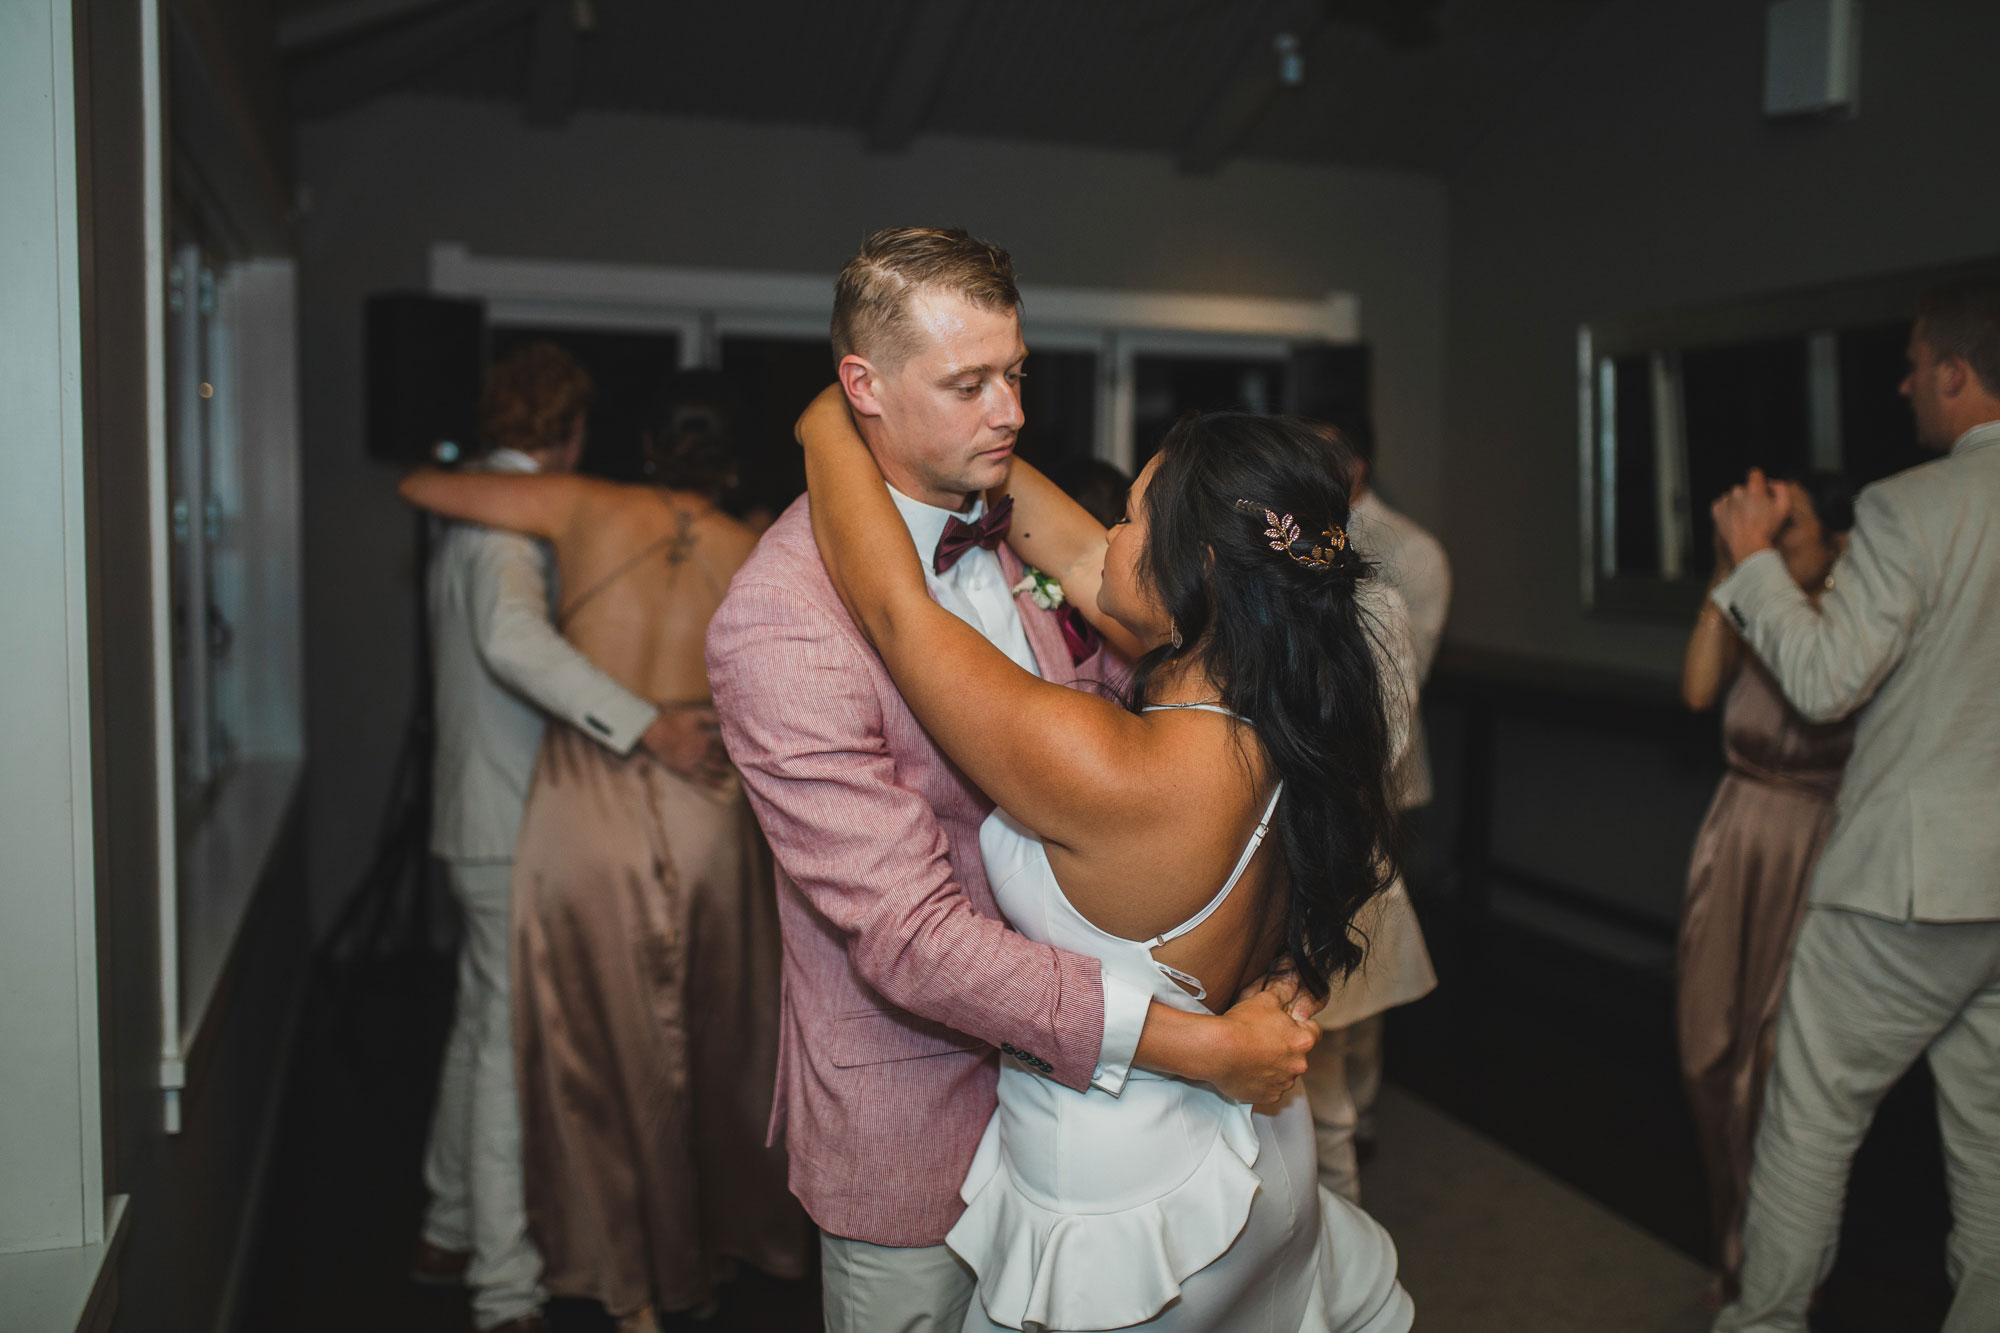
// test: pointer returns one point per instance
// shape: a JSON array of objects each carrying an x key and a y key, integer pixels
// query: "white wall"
[
  {"x": 51, "y": 1168},
  {"x": 385, "y": 182}
]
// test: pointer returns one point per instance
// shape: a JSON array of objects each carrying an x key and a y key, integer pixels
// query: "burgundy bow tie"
[{"x": 960, "y": 536}]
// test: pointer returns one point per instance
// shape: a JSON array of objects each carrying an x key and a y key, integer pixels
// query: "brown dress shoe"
[{"x": 435, "y": 1266}]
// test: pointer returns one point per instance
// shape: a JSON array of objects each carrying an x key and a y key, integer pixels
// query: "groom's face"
[{"x": 942, "y": 422}]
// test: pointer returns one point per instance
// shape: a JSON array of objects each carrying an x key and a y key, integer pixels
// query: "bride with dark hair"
[{"x": 1228, "y": 820}]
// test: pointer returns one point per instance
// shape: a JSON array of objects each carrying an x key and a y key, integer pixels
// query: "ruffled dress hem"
[{"x": 1039, "y": 1267}]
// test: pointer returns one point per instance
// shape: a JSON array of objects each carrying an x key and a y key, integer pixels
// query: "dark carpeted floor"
[
  {"x": 1568, "y": 1060},
  {"x": 345, "y": 1193},
  {"x": 1560, "y": 1057}
]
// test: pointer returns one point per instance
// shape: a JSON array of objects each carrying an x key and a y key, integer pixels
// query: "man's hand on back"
[{"x": 688, "y": 740}]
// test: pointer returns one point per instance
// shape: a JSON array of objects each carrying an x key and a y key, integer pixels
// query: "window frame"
[
  {"x": 706, "y": 304},
  {"x": 216, "y": 838},
  {"x": 1815, "y": 315}
]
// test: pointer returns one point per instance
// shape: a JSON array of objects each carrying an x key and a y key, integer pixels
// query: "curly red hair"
[{"x": 532, "y": 399}]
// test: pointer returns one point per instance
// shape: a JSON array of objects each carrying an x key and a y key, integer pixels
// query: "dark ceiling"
[{"x": 1378, "y": 82}]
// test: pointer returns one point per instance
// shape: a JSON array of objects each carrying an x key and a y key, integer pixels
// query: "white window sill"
[{"x": 72, "y": 1290}]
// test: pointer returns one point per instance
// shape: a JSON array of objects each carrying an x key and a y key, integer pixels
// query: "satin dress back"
[{"x": 1753, "y": 861}]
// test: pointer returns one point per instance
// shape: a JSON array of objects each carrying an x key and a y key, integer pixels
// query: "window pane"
[
  {"x": 627, "y": 369},
  {"x": 772, "y": 380},
  {"x": 1636, "y": 492},
  {"x": 1166, "y": 387},
  {"x": 189, "y": 304},
  {"x": 1059, "y": 402},
  {"x": 1746, "y": 405},
  {"x": 1877, "y": 433}
]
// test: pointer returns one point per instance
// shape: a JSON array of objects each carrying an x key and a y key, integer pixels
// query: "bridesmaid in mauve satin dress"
[
  {"x": 1752, "y": 865},
  {"x": 645, "y": 933}
]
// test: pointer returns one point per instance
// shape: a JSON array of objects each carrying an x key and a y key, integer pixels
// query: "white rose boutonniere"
[{"x": 1044, "y": 588}]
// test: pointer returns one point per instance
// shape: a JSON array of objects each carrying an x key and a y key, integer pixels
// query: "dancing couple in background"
[
  {"x": 1137, "y": 1154},
  {"x": 598, "y": 1126}
]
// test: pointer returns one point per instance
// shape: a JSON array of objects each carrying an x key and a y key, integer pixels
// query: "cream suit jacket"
[
  {"x": 1414, "y": 564},
  {"x": 1397, "y": 967},
  {"x": 1907, "y": 638},
  {"x": 498, "y": 666}
]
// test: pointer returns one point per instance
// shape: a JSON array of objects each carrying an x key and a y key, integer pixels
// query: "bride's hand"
[
  {"x": 1283, "y": 982},
  {"x": 1264, "y": 1050}
]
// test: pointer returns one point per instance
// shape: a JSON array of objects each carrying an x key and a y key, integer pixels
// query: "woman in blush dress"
[
  {"x": 645, "y": 934},
  {"x": 1236, "y": 811},
  {"x": 1753, "y": 860}
]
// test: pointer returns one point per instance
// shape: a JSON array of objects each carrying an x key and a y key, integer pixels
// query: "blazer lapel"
[{"x": 1045, "y": 637}]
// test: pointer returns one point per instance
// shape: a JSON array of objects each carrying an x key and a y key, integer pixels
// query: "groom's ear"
[{"x": 862, "y": 383}]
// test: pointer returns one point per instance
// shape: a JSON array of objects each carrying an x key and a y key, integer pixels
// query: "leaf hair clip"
[{"x": 1286, "y": 538}]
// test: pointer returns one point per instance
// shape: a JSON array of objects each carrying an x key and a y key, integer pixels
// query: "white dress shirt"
[{"x": 976, "y": 591}]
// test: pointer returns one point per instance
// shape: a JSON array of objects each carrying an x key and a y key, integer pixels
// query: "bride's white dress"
[{"x": 1169, "y": 1206}]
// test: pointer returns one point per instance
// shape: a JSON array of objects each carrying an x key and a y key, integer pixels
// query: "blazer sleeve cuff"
[
  {"x": 1748, "y": 589},
  {"x": 1125, "y": 1008},
  {"x": 617, "y": 721}
]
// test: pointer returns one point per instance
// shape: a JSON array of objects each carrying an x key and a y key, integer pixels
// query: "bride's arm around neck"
[
  {"x": 1058, "y": 536},
  {"x": 1060, "y": 760}
]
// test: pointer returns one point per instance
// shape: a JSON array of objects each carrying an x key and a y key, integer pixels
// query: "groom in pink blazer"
[{"x": 900, "y": 979}]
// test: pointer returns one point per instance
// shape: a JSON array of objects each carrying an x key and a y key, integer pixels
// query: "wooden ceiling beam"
[
  {"x": 329, "y": 84},
  {"x": 329, "y": 25},
  {"x": 553, "y": 61},
  {"x": 910, "y": 90}
]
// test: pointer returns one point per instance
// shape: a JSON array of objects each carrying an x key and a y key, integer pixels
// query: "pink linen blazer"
[{"x": 899, "y": 976}]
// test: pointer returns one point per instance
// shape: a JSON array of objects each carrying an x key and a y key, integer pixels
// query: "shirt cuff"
[
  {"x": 1125, "y": 1009},
  {"x": 617, "y": 724}
]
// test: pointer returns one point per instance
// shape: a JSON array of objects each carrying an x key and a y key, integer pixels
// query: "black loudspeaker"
[{"x": 426, "y": 356}]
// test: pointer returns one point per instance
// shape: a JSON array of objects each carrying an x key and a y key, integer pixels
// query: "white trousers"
[
  {"x": 1866, "y": 998},
  {"x": 892, "y": 1289},
  {"x": 1364, "y": 1072},
  {"x": 472, "y": 1164},
  {"x": 1335, "y": 1113}
]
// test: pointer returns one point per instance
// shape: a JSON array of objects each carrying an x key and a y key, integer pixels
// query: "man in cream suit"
[
  {"x": 1899, "y": 953},
  {"x": 1345, "y": 1076},
  {"x": 500, "y": 666}
]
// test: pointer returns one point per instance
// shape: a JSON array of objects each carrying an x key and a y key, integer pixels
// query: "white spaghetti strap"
[
  {"x": 1242, "y": 864},
  {"x": 1200, "y": 708}
]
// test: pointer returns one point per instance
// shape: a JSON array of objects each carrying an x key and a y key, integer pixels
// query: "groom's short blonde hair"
[{"x": 871, "y": 299}]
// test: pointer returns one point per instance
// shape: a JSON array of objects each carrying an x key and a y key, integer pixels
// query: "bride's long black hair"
[{"x": 1292, "y": 646}]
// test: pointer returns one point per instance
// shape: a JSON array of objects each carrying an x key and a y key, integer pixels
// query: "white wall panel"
[{"x": 51, "y": 1186}]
